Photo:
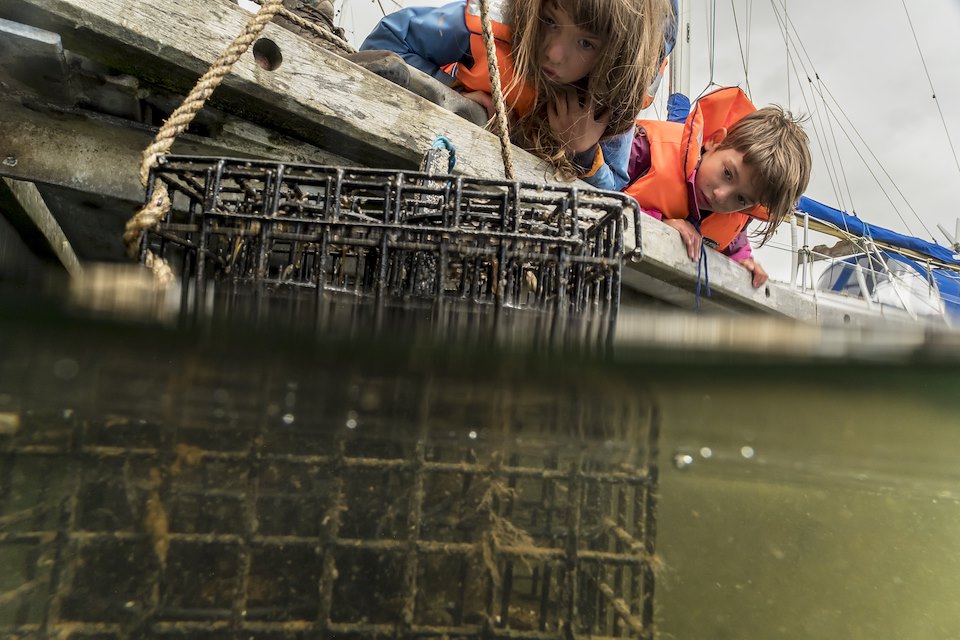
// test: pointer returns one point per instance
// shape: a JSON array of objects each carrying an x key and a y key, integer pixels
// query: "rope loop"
[{"x": 154, "y": 211}]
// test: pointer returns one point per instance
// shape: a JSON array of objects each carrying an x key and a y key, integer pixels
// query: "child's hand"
[
  {"x": 688, "y": 233},
  {"x": 577, "y": 126},
  {"x": 759, "y": 275},
  {"x": 482, "y": 99}
]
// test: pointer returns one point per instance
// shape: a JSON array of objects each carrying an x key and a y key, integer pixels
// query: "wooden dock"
[{"x": 60, "y": 57}]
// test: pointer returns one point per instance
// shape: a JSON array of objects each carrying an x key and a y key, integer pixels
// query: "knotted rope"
[
  {"x": 159, "y": 204},
  {"x": 313, "y": 27},
  {"x": 498, "y": 104}
]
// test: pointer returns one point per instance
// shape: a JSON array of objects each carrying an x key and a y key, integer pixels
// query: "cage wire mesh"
[
  {"x": 330, "y": 246},
  {"x": 244, "y": 497}
]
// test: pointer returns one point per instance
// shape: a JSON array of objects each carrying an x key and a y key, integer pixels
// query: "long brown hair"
[{"x": 632, "y": 32}]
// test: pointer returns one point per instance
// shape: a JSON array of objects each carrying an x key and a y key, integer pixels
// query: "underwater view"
[{"x": 165, "y": 482}]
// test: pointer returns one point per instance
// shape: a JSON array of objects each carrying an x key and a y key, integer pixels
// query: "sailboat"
[{"x": 869, "y": 266}]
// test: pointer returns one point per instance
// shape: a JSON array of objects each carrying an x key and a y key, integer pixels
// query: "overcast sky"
[{"x": 866, "y": 56}]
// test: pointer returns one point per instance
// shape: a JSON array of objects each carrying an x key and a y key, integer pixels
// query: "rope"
[
  {"x": 838, "y": 178},
  {"x": 309, "y": 25},
  {"x": 442, "y": 142},
  {"x": 500, "y": 108},
  {"x": 177, "y": 123},
  {"x": 704, "y": 279},
  {"x": 930, "y": 82},
  {"x": 743, "y": 57},
  {"x": 703, "y": 272}
]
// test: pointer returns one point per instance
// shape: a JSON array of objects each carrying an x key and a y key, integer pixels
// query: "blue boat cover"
[{"x": 858, "y": 227}]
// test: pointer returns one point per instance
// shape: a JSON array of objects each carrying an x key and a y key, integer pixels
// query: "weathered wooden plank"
[
  {"x": 86, "y": 165},
  {"x": 314, "y": 94},
  {"x": 665, "y": 264},
  {"x": 98, "y": 154},
  {"x": 667, "y": 274}
]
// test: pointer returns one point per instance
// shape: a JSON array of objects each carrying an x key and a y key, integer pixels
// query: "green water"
[
  {"x": 798, "y": 497},
  {"x": 845, "y": 523}
]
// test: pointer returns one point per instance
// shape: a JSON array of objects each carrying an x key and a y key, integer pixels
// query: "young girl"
[{"x": 575, "y": 73}]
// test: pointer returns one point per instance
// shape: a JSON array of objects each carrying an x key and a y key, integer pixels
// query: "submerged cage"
[
  {"x": 329, "y": 243},
  {"x": 244, "y": 497}
]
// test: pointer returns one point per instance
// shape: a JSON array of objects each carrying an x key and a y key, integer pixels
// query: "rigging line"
[
  {"x": 743, "y": 59},
  {"x": 932, "y": 90},
  {"x": 396, "y": 3},
  {"x": 828, "y": 153},
  {"x": 870, "y": 170},
  {"x": 785, "y": 19},
  {"x": 794, "y": 34},
  {"x": 880, "y": 164},
  {"x": 841, "y": 176},
  {"x": 749, "y": 29},
  {"x": 710, "y": 47},
  {"x": 713, "y": 39},
  {"x": 824, "y": 150},
  {"x": 824, "y": 88},
  {"x": 843, "y": 172}
]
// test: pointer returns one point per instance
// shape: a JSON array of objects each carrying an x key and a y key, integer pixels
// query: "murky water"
[
  {"x": 817, "y": 502},
  {"x": 195, "y": 484}
]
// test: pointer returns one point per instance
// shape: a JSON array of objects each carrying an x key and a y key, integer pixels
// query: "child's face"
[
  {"x": 724, "y": 184},
  {"x": 568, "y": 53}
]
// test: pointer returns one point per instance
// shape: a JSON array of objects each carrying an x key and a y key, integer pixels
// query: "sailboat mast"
[{"x": 680, "y": 57}]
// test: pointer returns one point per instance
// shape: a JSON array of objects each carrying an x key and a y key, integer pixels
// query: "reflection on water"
[
  {"x": 166, "y": 484},
  {"x": 170, "y": 483}
]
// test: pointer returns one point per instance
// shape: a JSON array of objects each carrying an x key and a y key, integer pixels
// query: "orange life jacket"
[
  {"x": 674, "y": 155},
  {"x": 519, "y": 97}
]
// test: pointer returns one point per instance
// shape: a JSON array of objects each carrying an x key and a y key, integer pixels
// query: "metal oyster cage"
[
  {"x": 260, "y": 499},
  {"x": 337, "y": 244}
]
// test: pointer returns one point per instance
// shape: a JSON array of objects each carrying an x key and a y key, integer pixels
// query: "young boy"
[{"x": 727, "y": 164}]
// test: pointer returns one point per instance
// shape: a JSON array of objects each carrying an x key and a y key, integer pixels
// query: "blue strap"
[
  {"x": 442, "y": 141},
  {"x": 703, "y": 272}
]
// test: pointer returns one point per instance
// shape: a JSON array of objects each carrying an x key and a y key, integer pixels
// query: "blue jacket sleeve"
[
  {"x": 425, "y": 37},
  {"x": 616, "y": 155}
]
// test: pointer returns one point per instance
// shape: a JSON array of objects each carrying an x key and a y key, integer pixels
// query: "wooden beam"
[
  {"x": 86, "y": 165},
  {"x": 314, "y": 95},
  {"x": 666, "y": 273},
  {"x": 33, "y": 62},
  {"x": 97, "y": 154}
]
